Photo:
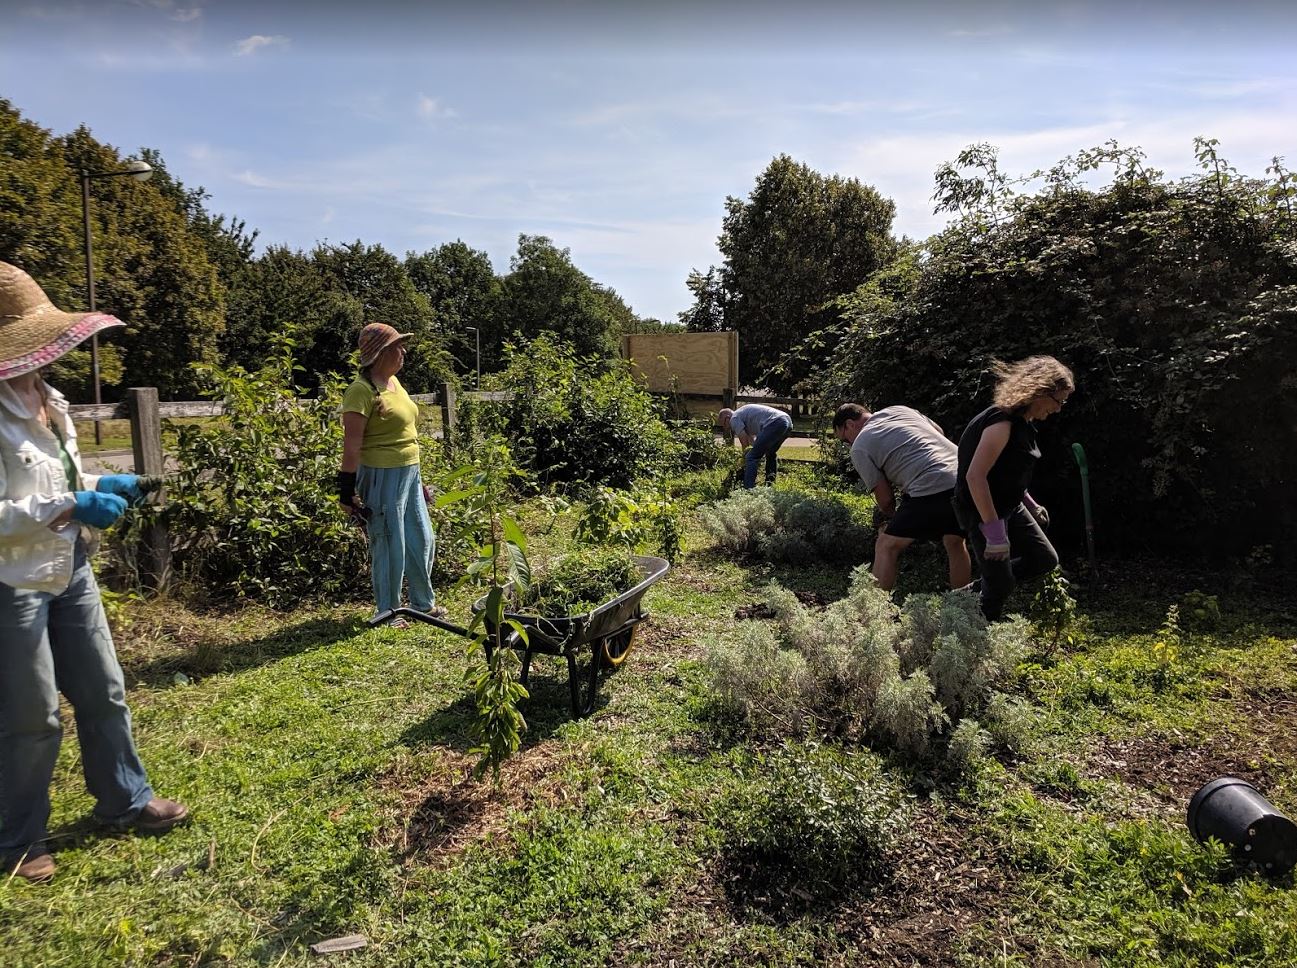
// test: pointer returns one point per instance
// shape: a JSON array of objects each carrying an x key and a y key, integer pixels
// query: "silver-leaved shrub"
[
  {"x": 865, "y": 669},
  {"x": 787, "y": 526}
]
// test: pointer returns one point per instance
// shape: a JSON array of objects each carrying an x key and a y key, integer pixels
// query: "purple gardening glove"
[
  {"x": 1038, "y": 511},
  {"x": 997, "y": 540}
]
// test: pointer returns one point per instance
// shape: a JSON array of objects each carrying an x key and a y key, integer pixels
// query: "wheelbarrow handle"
[{"x": 382, "y": 618}]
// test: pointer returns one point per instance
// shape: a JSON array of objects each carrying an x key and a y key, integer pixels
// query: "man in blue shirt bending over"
[{"x": 760, "y": 429}]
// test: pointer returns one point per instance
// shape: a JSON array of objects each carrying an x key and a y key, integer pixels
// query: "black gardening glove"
[{"x": 347, "y": 498}]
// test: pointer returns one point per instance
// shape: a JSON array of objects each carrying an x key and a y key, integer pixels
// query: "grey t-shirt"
[
  {"x": 909, "y": 450},
  {"x": 751, "y": 418}
]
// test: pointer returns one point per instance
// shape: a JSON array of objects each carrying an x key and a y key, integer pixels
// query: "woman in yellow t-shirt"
[{"x": 380, "y": 478}]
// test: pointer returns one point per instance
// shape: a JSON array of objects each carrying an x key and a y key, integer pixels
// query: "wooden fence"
[{"x": 145, "y": 413}]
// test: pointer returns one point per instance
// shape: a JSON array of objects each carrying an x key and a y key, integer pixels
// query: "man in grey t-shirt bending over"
[{"x": 900, "y": 452}]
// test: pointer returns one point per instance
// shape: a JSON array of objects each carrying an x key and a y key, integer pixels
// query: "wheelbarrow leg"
[
  {"x": 583, "y": 684},
  {"x": 525, "y": 672}
]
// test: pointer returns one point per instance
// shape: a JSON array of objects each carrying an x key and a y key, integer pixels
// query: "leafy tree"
[
  {"x": 799, "y": 240},
  {"x": 461, "y": 286},
  {"x": 1173, "y": 301},
  {"x": 282, "y": 292},
  {"x": 545, "y": 292},
  {"x": 40, "y": 209},
  {"x": 151, "y": 269},
  {"x": 364, "y": 284},
  {"x": 707, "y": 314}
]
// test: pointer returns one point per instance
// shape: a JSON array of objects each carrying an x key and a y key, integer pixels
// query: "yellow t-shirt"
[{"x": 392, "y": 431}]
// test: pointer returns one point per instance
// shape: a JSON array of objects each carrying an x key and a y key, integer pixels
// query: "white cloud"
[
  {"x": 431, "y": 107},
  {"x": 187, "y": 15},
  {"x": 253, "y": 180},
  {"x": 250, "y": 45}
]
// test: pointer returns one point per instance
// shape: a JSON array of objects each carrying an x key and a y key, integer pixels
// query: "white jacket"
[{"x": 34, "y": 490}]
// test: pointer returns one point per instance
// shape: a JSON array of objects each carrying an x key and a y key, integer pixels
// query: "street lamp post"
[
  {"x": 140, "y": 171},
  {"x": 477, "y": 335}
]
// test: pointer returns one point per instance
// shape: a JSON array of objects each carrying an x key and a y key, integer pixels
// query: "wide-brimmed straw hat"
[
  {"x": 375, "y": 338},
  {"x": 33, "y": 333}
]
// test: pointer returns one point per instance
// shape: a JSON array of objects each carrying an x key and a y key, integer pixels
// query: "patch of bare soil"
[
  {"x": 761, "y": 610},
  {"x": 662, "y": 637},
  {"x": 944, "y": 883},
  {"x": 1172, "y": 768},
  {"x": 441, "y": 815}
]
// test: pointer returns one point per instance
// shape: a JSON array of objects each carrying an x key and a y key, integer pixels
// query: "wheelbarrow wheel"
[
  {"x": 617, "y": 647},
  {"x": 583, "y": 681}
]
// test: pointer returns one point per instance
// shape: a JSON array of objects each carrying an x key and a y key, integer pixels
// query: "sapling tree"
[{"x": 482, "y": 488}]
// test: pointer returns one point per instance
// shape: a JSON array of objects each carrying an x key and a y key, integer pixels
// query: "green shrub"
[
  {"x": 817, "y": 815},
  {"x": 1172, "y": 300},
  {"x": 1200, "y": 612},
  {"x": 788, "y": 526},
  {"x": 1053, "y": 612},
  {"x": 252, "y": 510},
  {"x": 575, "y": 421},
  {"x": 967, "y": 747}
]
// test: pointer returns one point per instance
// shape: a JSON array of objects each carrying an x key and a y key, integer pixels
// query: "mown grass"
[{"x": 328, "y": 770}]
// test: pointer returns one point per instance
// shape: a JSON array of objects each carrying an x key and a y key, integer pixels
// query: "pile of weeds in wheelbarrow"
[{"x": 581, "y": 581}]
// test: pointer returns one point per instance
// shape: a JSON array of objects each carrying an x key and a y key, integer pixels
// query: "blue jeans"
[
  {"x": 51, "y": 644},
  {"x": 402, "y": 544},
  {"x": 766, "y": 446}
]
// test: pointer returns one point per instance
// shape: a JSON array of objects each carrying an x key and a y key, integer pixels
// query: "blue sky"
[{"x": 618, "y": 129}]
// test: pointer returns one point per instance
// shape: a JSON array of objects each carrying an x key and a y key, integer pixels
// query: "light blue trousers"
[
  {"x": 402, "y": 544},
  {"x": 51, "y": 644}
]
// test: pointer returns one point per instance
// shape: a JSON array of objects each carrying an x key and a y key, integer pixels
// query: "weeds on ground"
[{"x": 812, "y": 818}]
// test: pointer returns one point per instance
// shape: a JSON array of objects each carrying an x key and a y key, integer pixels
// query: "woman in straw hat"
[
  {"x": 54, "y": 636},
  {"x": 380, "y": 481}
]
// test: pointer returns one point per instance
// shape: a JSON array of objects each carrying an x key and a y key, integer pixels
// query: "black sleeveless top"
[{"x": 1010, "y": 475}]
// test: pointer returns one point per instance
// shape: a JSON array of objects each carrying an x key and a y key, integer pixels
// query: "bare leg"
[
  {"x": 961, "y": 567},
  {"x": 887, "y": 549}
]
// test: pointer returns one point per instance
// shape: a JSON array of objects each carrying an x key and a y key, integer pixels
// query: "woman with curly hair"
[{"x": 997, "y": 457}]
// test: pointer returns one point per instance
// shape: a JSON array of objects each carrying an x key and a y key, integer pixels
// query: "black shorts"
[{"x": 927, "y": 518}]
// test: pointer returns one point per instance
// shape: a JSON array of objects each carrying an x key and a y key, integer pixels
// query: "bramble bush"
[
  {"x": 1174, "y": 301},
  {"x": 788, "y": 526},
  {"x": 252, "y": 509},
  {"x": 867, "y": 670}
]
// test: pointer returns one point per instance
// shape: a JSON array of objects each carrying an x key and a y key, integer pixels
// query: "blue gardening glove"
[
  {"x": 97, "y": 509},
  {"x": 123, "y": 485},
  {"x": 997, "y": 539}
]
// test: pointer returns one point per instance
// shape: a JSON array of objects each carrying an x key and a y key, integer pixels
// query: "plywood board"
[{"x": 685, "y": 362}]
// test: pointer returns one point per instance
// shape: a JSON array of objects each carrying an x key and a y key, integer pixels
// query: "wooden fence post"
[
  {"x": 146, "y": 442},
  {"x": 447, "y": 417}
]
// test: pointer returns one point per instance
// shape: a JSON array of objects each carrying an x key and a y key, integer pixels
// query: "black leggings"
[{"x": 1032, "y": 553}]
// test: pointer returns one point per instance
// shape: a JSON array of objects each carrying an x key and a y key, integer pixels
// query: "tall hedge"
[{"x": 1175, "y": 302}]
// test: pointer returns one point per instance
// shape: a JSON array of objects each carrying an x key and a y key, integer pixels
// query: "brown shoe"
[
  {"x": 159, "y": 816},
  {"x": 38, "y": 869}
]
